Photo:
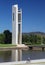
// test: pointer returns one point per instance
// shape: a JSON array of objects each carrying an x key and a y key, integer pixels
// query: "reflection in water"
[
  {"x": 16, "y": 55},
  {"x": 19, "y": 55},
  {"x": 33, "y": 55},
  {"x": 5, "y": 56}
]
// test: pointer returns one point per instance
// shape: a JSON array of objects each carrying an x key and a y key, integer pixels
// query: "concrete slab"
[{"x": 31, "y": 62}]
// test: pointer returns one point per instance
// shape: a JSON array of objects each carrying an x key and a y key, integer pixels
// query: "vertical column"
[
  {"x": 15, "y": 24},
  {"x": 20, "y": 27}
]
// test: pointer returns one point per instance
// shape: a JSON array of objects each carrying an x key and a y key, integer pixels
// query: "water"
[
  {"x": 33, "y": 54},
  {"x": 7, "y": 56}
]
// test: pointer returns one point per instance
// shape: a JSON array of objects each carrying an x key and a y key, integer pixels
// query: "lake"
[{"x": 7, "y": 56}]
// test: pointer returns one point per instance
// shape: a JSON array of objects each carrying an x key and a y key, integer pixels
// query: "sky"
[{"x": 33, "y": 15}]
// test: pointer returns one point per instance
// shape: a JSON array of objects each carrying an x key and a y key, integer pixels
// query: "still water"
[{"x": 7, "y": 56}]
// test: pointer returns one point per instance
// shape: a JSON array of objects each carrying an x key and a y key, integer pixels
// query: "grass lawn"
[
  {"x": 35, "y": 44},
  {"x": 7, "y": 45}
]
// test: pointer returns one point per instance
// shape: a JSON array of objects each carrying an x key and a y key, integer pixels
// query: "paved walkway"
[{"x": 32, "y": 62}]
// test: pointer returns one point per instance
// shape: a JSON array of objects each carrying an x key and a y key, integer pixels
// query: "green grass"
[
  {"x": 7, "y": 45},
  {"x": 38, "y": 44}
]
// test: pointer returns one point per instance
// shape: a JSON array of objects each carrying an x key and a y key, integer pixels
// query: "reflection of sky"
[{"x": 33, "y": 14}]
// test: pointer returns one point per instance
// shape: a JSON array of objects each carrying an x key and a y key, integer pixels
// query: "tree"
[
  {"x": 43, "y": 40},
  {"x": 39, "y": 39},
  {"x": 8, "y": 36},
  {"x": 33, "y": 38},
  {"x": 2, "y": 39},
  {"x": 25, "y": 38}
]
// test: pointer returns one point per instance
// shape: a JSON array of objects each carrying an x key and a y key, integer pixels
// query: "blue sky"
[{"x": 33, "y": 17}]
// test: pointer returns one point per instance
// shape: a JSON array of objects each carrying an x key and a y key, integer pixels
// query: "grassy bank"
[
  {"x": 7, "y": 45},
  {"x": 38, "y": 44}
]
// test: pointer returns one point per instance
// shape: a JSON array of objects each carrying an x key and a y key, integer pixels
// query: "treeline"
[
  {"x": 6, "y": 37},
  {"x": 33, "y": 39}
]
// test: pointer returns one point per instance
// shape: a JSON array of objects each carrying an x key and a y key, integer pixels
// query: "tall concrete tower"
[{"x": 16, "y": 25}]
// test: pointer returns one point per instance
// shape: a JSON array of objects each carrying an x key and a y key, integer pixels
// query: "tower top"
[{"x": 15, "y": 5}]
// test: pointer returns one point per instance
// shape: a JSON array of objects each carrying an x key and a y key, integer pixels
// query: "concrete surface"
[{"x": 31, "y": 62}]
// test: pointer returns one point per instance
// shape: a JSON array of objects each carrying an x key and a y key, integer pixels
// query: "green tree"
[
  {"x": 31, "y": 38},
  {"x": 43, "y": 40},
  {"x": 35, "y": 39},
  {"x": 38, "y": 39},
  {"x": 8, "y": 36},
  {"x": 25, "y": 38},
  {"x": 2, "y": 39}
]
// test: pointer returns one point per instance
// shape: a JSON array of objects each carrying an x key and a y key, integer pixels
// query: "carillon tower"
[{"x": 16, "y": 25}]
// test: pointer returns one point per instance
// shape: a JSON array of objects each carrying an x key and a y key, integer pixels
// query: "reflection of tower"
[
  {"x": 16, "y": 25},
  {"x": 17, "y": 55}
]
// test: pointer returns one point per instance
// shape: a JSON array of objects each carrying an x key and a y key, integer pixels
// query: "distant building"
[{"x": 16, "y": 25}]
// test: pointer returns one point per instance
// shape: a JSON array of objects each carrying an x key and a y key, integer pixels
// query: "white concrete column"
[
  {"x": 16, "y": 20},
  {"x": 20, "y": 23},
  {"x": 15, "y": 24}
]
